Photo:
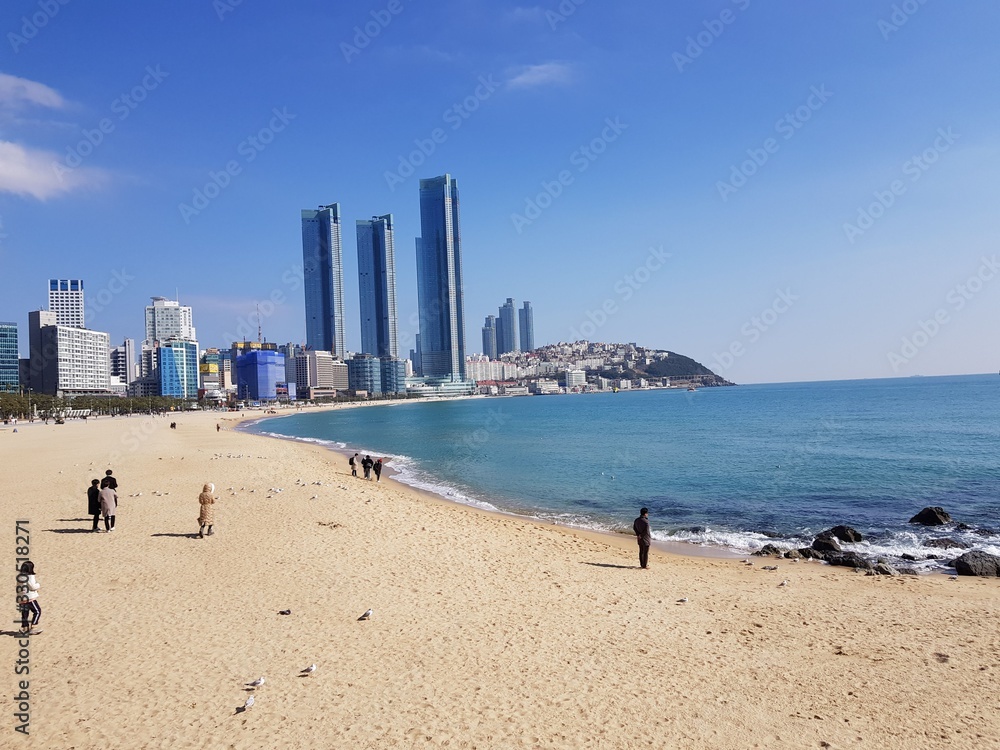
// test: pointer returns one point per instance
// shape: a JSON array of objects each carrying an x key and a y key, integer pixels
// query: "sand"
[{"x": 488, "y": 631}]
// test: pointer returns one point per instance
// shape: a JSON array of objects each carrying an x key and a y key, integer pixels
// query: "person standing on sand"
[
  {"x": 367, "y": 466},
  {"x": 27, "y": 588},
  {"x": 377, "y": 468},
  {"x": 643, "y": 535},
  {"x": 354, "y": 464},
  {"x": 207, "y": 515},
  {"x": 109, "y": 481},
  {"x": 94, "y": 501},
  {"x": 109, "y": 506}
]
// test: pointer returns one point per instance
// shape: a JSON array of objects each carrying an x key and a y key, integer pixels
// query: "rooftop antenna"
[{"x": 258, "y": 324}]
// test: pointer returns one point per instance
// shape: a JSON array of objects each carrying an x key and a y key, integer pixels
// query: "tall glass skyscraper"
[
  {"x": 439, "y": 281},
  {"x": 527, "y": 320},
  {"x": 323, "y": 276},
  {"x": 507, "y": 340},
  {"x": 9, "y": 378},
  {"x": 490, "y": 337},
  {"x": 377, "y": 285}
]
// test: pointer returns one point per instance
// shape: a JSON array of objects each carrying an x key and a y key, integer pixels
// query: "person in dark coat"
[
  {"x": 94, "y": 501},
  {"x": 109, "y": 481},
  {"x": 643, "y": 535},
  {"x": 377, "y": 468},
  {"x": 366, "y": 464}
]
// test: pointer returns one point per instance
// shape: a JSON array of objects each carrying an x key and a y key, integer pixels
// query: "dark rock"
[
  {"x": 962, "y": 527},
  {"x": 768, "y": 550},
  {"x": 809, "y": 552},
  {"x": 844, "y": 534},
  {"x": 978, "y": 563},
  {"x": 792, "y": 554},
  {"x": 946, "y": 543},
  {"x": 932, "y": 557},
  {"x": 826, "y": 544},
  {"x": 932, "y": 516},
  {"x": 884, "y": 569},
  {"x": 906, "y": 556},
  {"x": 848, "y": 560},
  {"x": 985, "y": 532},
  {"x": 907, "y": 571}
]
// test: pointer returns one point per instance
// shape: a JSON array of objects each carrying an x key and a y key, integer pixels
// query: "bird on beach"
[
  {"x": 285, "y": 612},
  {"x": 309, "y": 670},
  {"x": 256, "y": 683},
  {"x": 249, "y": 703},
  {"x": 367, "y": 615},
  {"x": 682, "y": 600},
  {"x": 783, "y": 583}
]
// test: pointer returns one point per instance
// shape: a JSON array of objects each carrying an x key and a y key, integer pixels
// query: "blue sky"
[{"x": 783, "y": 191}]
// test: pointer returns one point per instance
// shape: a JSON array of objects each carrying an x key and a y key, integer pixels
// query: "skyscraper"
[
  {"x": 168, "y": 319},
  {"x": 377, "y": 285},
  {"x": 323, "y": 277},
  {"x": 66, "y": 301},
  {"x": 9, "y": 362},
  {"x": 507, "y": 340},
  {"x": 527, "y": 320},
  {"x": 490, "y": 337},
  {"x": 440, "y": 298}
]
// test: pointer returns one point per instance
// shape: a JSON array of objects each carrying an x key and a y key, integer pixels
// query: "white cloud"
[
  {"x": 545, "y": 74},
  {"x": 40, "y": 174},
  {"x": 15, "y": 92}
]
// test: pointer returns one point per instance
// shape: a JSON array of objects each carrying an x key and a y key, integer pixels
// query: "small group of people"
[
  {"x": 368, "y": 466},
  {"x": 102, "y": 500}
]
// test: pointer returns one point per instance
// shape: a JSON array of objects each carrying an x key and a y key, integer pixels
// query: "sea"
[{"x": 724, "y": 468}]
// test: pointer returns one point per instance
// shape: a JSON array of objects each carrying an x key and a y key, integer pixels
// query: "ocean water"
[{"x": 726, "y": 467}]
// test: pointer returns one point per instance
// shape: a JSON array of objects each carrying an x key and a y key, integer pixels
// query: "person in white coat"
[{"x": 27, "y": 588}]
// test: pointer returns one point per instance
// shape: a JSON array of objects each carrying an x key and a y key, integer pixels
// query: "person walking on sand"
[
  {"x": 642, "y": 534},
  {"x": 207, "y": 515},
  {"x": 377, "y": 468},
  {"x": 367, "y": 466},
  {"x": 354, "y": 464},
  {"x": 27, "y": 588},
  {"x": 109, "y": 481},
  {"x": 94, "y": 501},
  {"x": 109, "y": 505}
]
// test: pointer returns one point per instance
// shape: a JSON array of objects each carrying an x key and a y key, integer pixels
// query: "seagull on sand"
[
  {"x": 367, "y": 615},
  {"x": 682, "y": 600},
  {"x": 256, "y": 683},
  {"x": 309, "y": 670},
  {"x": 783, "y": 583},
  {"x": 249, "y": 703}
]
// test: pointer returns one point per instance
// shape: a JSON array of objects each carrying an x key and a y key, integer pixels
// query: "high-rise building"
[
  {"x": 9, "y": 377},
  {"x": 440, "y": 295},
  {"x": 364, "y": 373},
  {"x": 258, "y": 372},
  {"x": 319, "y": 373},
  {"x": 507, "y": 340},
  {"x": 490, "y": 337},
  {"x": 527, "y": 320},
  {"x": 66, "y": 301},
  {"x": 64, "y": 360},
  {"x": 177, "y": 365},
  {"x": 168, "y": 319},
  {"x": 323, "y": 279},
  {"x": 123, "y": 362},
  {"x": 393, "y": 375},
  {"x": 377, "y": 285}
]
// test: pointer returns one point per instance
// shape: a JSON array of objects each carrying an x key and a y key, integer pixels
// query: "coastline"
[{"x": 488, "y": 631}]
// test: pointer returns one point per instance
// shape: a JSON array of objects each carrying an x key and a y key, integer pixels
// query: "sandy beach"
[{"x": 488, "y": 631}]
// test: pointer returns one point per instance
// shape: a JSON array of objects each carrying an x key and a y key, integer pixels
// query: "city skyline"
[{"x": 825, "y": 219}]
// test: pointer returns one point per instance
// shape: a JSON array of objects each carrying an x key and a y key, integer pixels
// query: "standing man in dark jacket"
[
  {"x": 109, "y": 481},
  {"x": 366, "y": 464},
  {"x": 94, "y": 502},
  {"x": 643, "y": 535}
]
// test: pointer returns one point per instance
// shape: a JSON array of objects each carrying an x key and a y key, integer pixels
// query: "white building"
[
  {"x": 168, "y": 319},
  {"x": 83, "y": 364},
  {"x": 575, "y": 378},
  {"x": 66, "y": 301},
  {"x": 321, "y": 371}
]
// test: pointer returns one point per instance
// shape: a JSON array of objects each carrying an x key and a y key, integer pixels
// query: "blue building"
[
  {"x": 323, "y": 279},
  {"x": 490, "y": 337},
  {"x": 507, "y": 339},
  {"x": 527, "y": 319},
  {"x": 364, "y": 373},
  {"x": 258, "y": 373},
  {"x": 177, "y": 367},
  {"x": 440, "y": 297},
  {"x": 393, "y": 375},
  {"x": 377, "y": 285},
  {"x": 9, "y": 378}
]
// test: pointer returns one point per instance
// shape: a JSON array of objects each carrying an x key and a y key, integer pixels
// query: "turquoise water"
[{"x": 733, "y": 467}]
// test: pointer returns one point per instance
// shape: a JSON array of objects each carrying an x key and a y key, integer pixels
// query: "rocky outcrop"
[
  {"x": 978, "y": 563},
  {"x": 946, "y": 543},
  {"x": 932, "y": 516},
  {"x": 810, "y": 554},
  {"x": 826, "y": 544},
  {"x": 793, "y": 554},
  {"x": 768, "y": 550},
  {"x": 848, "y": 560},
  {"x": 844, "y": 534}
]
